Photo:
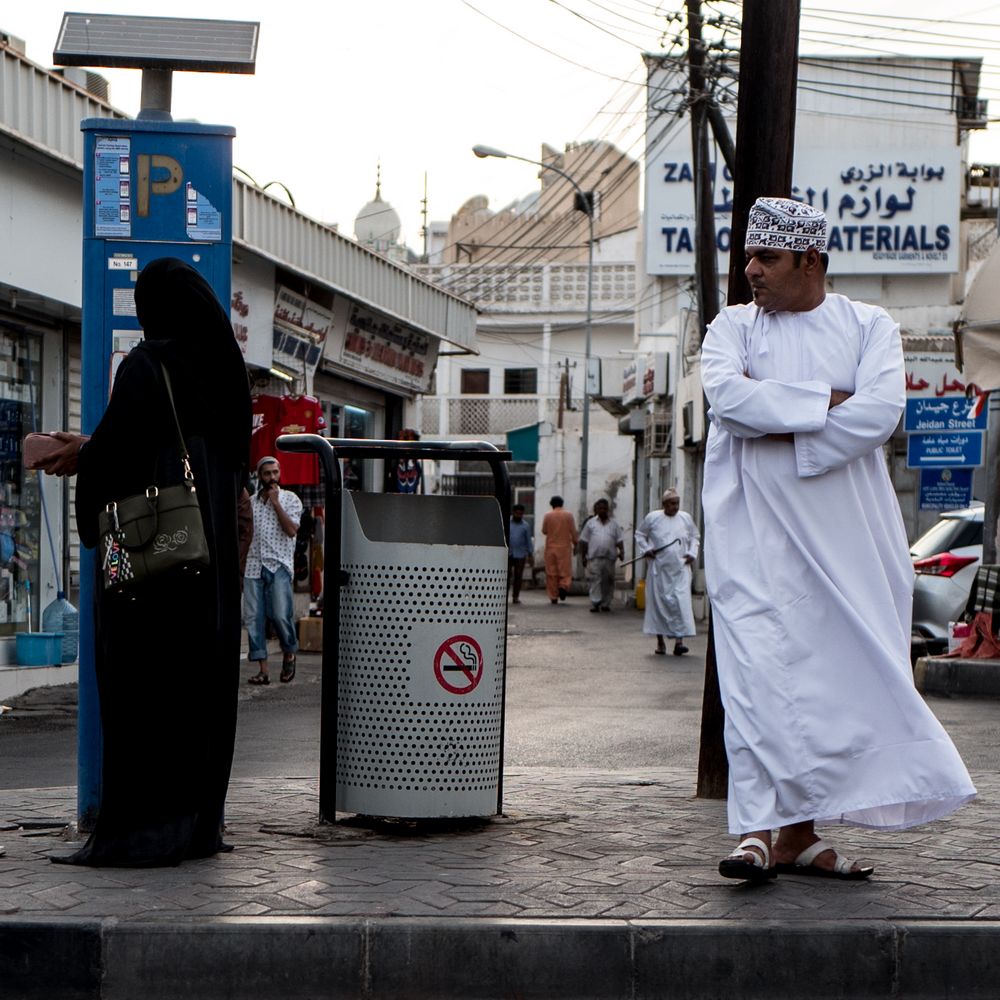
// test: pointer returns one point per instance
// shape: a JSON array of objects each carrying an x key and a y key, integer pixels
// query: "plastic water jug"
[{"x": 61, "y": 616}]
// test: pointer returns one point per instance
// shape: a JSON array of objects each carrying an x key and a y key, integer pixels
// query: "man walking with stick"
[{"x": 668, "y": 540}]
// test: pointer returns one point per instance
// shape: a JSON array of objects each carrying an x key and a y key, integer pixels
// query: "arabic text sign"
[
  {"x": 950, "y": 413},
  {"x": 945, "y": 489},
  {"x": 933, "y": 451},
  {"x": 890, "y": 210}
]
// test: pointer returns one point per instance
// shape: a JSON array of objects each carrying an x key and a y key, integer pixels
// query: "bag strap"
[{"x": 185, "y": 458}]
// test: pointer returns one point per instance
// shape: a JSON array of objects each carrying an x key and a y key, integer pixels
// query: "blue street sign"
[
  {"x": 951, "y": 413},
  {"x": 945, "y": 489},
  {"x": 945, "y": 451}
]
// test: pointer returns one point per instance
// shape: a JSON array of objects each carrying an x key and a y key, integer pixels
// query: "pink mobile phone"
[{"x": 37, "y": 448}]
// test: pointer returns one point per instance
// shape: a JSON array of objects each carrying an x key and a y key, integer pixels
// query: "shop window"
[
  {"x": 20, "y": 511},
  {"x": 475, "y": 381},
  {"x": 520, "y": 381}
]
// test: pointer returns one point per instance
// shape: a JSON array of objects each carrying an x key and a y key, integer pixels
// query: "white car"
[{"x": 945, "y": 559}]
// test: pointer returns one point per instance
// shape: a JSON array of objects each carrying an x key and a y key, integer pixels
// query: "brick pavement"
[{"x": 589, "y": 844}]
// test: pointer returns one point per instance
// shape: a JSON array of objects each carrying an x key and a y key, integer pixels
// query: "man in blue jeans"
[{"x": 267, "y": 579}]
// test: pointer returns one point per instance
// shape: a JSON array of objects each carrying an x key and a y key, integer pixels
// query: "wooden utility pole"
[
  {"x": 765, "y": 142},
  {"x": 706, "y": 266}
]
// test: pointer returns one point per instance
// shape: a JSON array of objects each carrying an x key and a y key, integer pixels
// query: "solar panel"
[{"x": 169, "y": 43}]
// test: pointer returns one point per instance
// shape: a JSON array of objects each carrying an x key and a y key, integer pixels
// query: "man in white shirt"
[
  {"x": 267, "y": 579},
  {"x": 600, "y": 545},
  {"x": 808, "y": 567}
]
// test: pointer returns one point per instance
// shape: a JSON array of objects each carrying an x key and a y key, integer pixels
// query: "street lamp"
[{"x": 586, "y": 201}]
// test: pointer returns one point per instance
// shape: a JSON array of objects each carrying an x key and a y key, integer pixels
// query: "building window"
[
  {"x": 475, "y": 381},
  {"x": 520, "y": 381}
]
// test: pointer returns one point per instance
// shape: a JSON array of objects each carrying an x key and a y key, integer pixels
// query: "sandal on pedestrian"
[
  {"x": 287, "y": 670},
  {"x": 660, "y": 650},
  {"x": 843, "y": 868},
  {"x": 758, "y": 870},
  {"x": 259, "y": 678},
  {"x": 679, "y": 649}
]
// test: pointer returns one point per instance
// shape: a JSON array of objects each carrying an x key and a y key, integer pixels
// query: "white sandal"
[
  {"x": 758, "y": 870},
  {"x": 843, "y": 868}
]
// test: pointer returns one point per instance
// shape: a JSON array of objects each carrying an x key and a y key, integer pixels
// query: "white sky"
[{"x": 340, "y": 86}]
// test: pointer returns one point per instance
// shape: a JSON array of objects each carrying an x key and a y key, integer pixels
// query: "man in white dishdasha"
[
  {"x": 668, "y": 540},
  {"x": 808, "y": 568}
]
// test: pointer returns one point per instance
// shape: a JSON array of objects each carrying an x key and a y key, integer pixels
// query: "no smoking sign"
[{"x": 458, "y": 664}]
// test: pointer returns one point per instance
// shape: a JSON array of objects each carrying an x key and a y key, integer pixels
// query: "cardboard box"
[{"x": 311, "y": 635}]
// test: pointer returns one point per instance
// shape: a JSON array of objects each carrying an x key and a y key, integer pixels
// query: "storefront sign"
[
  {"x": 898, "y": 213},
  {"x": 388, "y": 351},
  {"x": 647, "y": 375},
  {"x": 251, "y": 311},
  {"x": 301, "y": 327}
]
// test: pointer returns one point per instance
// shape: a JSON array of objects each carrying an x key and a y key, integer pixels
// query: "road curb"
[
  {"x": 969, "y": 678},
  {"x": 417, "y": 958}
]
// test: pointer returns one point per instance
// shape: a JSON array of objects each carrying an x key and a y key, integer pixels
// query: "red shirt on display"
[
  {"x": 298, "y": 415},
  {"x": 265, "y": 422}
]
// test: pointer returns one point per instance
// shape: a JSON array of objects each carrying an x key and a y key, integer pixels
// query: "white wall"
[{"x": 41, "y": 228}]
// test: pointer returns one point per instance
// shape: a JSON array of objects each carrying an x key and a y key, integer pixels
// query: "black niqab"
[{"x": 167, "y": 656}]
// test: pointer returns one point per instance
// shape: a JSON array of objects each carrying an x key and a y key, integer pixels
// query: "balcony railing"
[
  {"x": 536, "y": 287},
  {"x": 478, "y": 415}
]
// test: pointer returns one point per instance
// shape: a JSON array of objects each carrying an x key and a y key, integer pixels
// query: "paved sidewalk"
[{"x": 593, "y": 884}]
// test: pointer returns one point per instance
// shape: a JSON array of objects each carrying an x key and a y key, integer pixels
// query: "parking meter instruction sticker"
[{"x": 458, "y": 664}]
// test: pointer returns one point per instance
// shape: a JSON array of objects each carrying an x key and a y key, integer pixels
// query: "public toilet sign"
[
  {"x": 945, "y": 450},
  {"x": 948, "y": 413}
]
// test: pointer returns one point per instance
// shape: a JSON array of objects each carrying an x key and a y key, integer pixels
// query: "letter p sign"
[{"x": 162, "y": 185}]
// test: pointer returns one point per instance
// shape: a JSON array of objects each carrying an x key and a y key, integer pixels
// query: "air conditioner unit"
[
  {"x": 971, "y": 111},
  {"x": 687, "y": 419},
  {"x": 657, "y": 437}
]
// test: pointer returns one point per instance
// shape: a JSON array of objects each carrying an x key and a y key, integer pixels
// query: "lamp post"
[{"x": 587, "y": 203}]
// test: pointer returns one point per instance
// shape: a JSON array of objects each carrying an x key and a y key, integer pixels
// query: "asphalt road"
[{"x": 583, "y": 691}]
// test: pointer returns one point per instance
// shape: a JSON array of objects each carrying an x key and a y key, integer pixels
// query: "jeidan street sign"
[{"x": 458, "y": 664}]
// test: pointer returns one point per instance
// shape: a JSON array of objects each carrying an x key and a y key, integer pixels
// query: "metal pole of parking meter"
[{"x": 332, "y": 582}]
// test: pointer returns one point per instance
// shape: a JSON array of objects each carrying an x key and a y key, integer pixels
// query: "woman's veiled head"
[
  {"x": 187, "y": 329},
  {"x": 174, "y": 302}
]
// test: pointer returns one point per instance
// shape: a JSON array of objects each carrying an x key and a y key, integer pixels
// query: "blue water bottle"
[{"x": 61, "y": 616}]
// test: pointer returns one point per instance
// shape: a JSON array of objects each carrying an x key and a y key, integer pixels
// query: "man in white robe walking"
[
  {"x": 808, "y": 568},
  {"x": 668, "y": 539}
]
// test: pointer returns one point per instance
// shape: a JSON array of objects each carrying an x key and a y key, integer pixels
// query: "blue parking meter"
[{"x": 151, "y": 189}]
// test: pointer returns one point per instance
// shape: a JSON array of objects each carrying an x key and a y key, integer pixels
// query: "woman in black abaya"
[{"x": 167, "y": 653}]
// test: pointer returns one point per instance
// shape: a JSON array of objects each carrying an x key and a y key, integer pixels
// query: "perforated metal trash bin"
[
  {"x": 422, "y": 630},
  {"x": 414, "y": 649}
]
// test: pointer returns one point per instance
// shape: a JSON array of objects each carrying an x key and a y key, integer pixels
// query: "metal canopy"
[{"x": 163, "y": 43}]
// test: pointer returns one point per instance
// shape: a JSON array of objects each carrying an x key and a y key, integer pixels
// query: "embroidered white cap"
[{"x": 784, "y": 224}]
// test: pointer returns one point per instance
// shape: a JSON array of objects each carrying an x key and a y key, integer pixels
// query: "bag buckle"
[
  {"x": 188, "y": 473},
  {"x": 112, "y": 511},
  {"x": 152, "y": 492}
]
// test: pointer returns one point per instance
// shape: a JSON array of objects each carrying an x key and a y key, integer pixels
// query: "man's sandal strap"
[
  {"x": 813, "y": 851},
  {"x": 754, "y": 842}
]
